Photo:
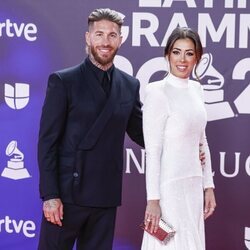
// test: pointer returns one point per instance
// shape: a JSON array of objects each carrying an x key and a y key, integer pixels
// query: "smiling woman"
[
  {"x": 175, "y": 175},
  {"x": 182, "y": 58},
  {"x": 183, "y": 51}
]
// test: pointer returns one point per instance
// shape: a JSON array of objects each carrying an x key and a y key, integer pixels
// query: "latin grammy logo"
[
  {"x": 15, "y": 168},
  {"x": 213, "y": 81},
  {"x": 206, "y": 69}
]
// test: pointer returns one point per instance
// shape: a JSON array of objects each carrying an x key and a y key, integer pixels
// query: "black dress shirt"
[{"x": 104, "y": 78}]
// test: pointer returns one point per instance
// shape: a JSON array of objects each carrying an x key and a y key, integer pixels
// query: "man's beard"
[{"x": 102, "y": 60}]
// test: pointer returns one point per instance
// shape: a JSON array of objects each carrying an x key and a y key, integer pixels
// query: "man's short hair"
[{"x": 105, "y": 14}]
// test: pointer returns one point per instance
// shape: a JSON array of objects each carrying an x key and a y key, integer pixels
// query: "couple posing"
[{"x": 87, "y": 111}]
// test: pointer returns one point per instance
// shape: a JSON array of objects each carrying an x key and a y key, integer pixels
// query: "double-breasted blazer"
[{"x": 81, "y": 137}]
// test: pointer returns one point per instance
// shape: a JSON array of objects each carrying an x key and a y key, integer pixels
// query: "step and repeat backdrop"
[{"x": 38, "y": 37}]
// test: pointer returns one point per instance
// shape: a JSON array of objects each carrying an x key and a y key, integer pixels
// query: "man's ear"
[{"x": 87, "y": 38}]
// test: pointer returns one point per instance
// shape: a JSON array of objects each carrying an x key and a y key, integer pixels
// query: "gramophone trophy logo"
[
  {"x": 15, "y": 166},
  {"x": 213, "y": 82}
]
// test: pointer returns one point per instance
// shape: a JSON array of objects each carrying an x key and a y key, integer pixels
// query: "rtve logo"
[
  {"x": 17, "y": 96},
  {"x": 10, "y": 226},
  {"x": 9, "y": 29}
]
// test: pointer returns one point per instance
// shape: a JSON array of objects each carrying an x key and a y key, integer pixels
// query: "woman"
[{"x": 179, "y": 187}]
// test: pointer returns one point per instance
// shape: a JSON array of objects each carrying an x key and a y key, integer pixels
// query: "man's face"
[{"x": 103, "y": 40}]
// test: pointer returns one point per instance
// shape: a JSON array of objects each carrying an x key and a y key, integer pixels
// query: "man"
[{"x": 87, "y": 111}]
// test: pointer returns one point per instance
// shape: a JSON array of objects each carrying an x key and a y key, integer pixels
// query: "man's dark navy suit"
[{"x": 80, "y": 149}]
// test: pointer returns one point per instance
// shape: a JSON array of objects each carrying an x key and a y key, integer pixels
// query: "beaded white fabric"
[{"x": 174, "y": 121}]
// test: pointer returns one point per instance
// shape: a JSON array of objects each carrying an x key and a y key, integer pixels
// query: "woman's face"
[{"x": 182, "y": 58}]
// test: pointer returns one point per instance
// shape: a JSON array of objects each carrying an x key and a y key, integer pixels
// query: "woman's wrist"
[
  {"x": 155, "y": 202},
  {"x": 209, "y": 189}
]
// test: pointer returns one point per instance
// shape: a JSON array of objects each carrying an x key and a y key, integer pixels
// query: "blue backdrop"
[{"x": 38, "y": 37}]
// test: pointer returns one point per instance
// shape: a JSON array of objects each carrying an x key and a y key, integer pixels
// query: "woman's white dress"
[{"x": 174, "y": 121}]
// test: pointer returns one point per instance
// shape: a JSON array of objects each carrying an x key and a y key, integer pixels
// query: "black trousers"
[{"x": 91, "y": 229}]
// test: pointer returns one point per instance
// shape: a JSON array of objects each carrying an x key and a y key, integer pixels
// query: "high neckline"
[{"x": 177, "y": 81}]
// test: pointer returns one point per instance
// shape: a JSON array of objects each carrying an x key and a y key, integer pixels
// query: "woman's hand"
[
  {"x": 152, "y": 215},
  {"x": 210, "y": 202}
]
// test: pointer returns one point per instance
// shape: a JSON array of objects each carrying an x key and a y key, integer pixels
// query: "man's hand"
[{"x": 53, "y": 211}]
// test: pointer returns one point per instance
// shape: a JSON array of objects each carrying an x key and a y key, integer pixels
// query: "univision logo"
[{"x": 17, "y": 96}]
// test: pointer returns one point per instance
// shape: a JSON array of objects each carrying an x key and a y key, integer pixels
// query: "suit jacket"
[{"x": 80, "y": 148}]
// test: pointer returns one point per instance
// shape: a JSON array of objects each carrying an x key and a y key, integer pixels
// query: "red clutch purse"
[{"x": 164, "y": 232}]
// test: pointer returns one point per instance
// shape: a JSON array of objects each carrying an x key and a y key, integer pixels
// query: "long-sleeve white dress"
[{"x": 174, "y": 121}]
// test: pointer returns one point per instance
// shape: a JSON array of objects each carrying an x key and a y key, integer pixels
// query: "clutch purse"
[{"x": 164, "y": 232}]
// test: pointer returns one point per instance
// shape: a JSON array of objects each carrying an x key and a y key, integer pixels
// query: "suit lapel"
[{"x": 94, "y": 133}]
